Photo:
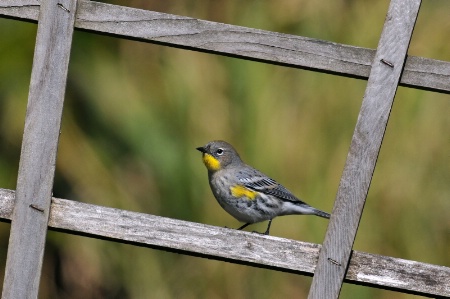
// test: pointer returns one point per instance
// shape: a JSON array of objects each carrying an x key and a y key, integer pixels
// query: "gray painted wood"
[
  {"x": 39, "y": 146},
  {"x": 365, "y": 146},
  {"x": 233, "y": 246},
  {"x": 265, "y": 46}
]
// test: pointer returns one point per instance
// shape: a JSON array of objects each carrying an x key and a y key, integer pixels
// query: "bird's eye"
[{"x": 219, "y": 152}]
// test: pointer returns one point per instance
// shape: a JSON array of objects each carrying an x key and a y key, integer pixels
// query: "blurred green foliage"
[{"x": 135, "y": 112}]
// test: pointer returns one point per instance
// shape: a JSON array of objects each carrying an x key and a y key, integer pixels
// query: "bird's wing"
[{"x": 261, "y": 183}]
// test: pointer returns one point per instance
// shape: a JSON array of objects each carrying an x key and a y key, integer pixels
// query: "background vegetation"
[{"x": 135, "y": 112}]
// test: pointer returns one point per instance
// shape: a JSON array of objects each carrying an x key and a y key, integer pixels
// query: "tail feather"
[
  {"x": 321, "y": 214},
  {"x": 302, "y": 208}
]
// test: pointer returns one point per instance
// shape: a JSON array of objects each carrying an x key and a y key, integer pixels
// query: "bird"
[{"x": 246, "y": 193}]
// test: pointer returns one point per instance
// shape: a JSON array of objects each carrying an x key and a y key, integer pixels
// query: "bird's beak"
[{"x": 201, "y": 149}]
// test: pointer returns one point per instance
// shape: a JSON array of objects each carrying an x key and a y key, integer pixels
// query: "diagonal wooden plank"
[
  {"x": 236, "y": 41},
  {"x": 39, "y": 146},
  {"x": 365, "y": 146},
  {"x": 249, "y": 249}
]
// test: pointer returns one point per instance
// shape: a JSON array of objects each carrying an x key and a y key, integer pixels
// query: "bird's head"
[{"x": 218, "y": 155}]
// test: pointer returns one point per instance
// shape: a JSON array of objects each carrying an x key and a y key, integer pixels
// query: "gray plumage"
[{"x": 246, "y": 193}]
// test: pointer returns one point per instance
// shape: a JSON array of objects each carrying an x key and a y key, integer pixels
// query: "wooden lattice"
[{"x": 32, "y": 210}]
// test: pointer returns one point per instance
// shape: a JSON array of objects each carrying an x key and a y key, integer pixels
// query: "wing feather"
[{"x": 261, "y": 183}]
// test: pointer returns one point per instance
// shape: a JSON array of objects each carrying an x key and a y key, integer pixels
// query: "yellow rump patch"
[
  {"x": 241, "y": 191},
  {"x": 210, "y": 162}
]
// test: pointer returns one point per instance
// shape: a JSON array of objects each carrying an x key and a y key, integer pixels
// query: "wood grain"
[
  {"x": 234, "y": 246},
  {"x": 365, "y": 146},
  {"x": 39, "y": 146},
  {"x": 247, "y": 43}
]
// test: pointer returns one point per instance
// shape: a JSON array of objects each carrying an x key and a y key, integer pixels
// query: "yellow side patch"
[
  {"x": 241, "y": 191},
  {"x": 210, "y": 162}
]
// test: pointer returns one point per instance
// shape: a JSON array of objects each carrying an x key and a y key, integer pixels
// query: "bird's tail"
[{"x": 321, "y": 214}]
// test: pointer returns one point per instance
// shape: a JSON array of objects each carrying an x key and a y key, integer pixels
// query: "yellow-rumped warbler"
[{"x": 246, "y": 193}]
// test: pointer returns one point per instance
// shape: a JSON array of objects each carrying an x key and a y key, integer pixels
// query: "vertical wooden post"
[
  {"x": 365, "y": 146},
  {"x": 39, "y": 147}
]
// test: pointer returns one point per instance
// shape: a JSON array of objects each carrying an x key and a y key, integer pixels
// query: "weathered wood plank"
[
  {"x": 233, "y": 246},
  {"x": 247, "y": 43},
  {"x": 6, "y": 204},
  {"x": 25, "y": 10},
  {"x": 39, "y": 146},
  {"x": 395, "y": 273},
  {"x": 365, "y": 146}
]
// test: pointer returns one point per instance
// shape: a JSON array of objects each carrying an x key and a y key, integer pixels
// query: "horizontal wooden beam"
[
  {"x": 236, "y": 41},
  {"x": 234, "y": 246}
]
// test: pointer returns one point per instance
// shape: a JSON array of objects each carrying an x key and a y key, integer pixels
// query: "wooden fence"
[{"x": 32, "y": 210}]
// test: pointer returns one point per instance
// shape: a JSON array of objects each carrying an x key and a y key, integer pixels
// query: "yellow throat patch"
[
  {"x": 210, "y": 162},
  {"x": 241, "y": 191}
]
